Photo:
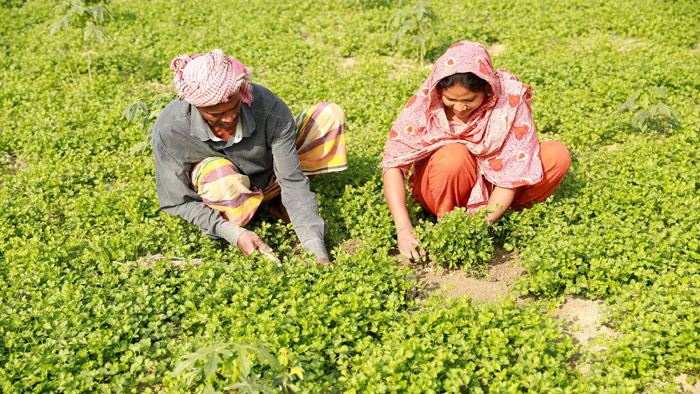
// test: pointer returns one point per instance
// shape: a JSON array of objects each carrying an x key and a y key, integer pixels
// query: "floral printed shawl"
[{"x": 500, "y": 133}]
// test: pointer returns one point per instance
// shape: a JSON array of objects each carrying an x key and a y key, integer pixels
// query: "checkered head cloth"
[{"x": 207, "y": 79}]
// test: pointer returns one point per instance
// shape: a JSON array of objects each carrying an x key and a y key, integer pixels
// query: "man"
[{"x": 232, "y": 144}]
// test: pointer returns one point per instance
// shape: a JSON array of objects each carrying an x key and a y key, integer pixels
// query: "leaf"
[
  {"x": 209, "y": 390},
  {"x": 627, "y": 105},
  {"x": 58, "y": 25},
  {"x": 98, "y": 12},
  {"x": 212, "y": 364},
  {"x": 640, "y": 118},
  {"x": 249, "y": 386},
  {"x": 408, "y": 25},
  {"x": 283, "y": 357},
  {"x": 659, "y": 91},
  {"x": 94, "y": 32},
  {"x": 298, "y": 371},
  {"x": 134, "y": 111},
  {"x": 60, "y": 7},
  {"x": 188, "y": 363},
  {"x": 265, "y": 355},
  {"x": 244, "y": 363}
]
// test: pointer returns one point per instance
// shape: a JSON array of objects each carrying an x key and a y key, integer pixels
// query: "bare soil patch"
[
  {"x": 502, "y": 272},
  {"x": 681, "y": 380},
  {"x": 401, "y": 68},
  {"x": 347, "y": 62},
  {"x": 496, "y": 49},
  {"x": 582, "y": 320},
  {"x": 149, "y": 261},
  {"x": 586, "y": 316},
  {"x": 10, "y": 165},
  {"x": 13, "y": 164},
  {"x": 628, "y": 44},
  {"x": 350, "y": 246}
]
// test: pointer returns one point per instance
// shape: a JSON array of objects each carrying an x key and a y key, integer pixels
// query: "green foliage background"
[{"x": 78, "y": 312}]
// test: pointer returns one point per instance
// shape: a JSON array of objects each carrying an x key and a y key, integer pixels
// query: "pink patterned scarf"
[
  {"x": 209, "y": 79},
  {"x": 500, "y": 133}
]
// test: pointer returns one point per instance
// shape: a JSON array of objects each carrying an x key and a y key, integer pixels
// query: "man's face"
[{"x": 222, "y": 118}]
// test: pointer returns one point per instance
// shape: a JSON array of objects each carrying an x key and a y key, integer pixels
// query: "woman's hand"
[
  {"x": 498, "y": 203},
  {"x": 409, "y": 245},
  {"x": 395, "y": 194}
]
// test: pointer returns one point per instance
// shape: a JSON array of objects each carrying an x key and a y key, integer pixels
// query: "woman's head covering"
[
  {"x": 500, "y": 133},
  {"x": 210, "y": 78}
]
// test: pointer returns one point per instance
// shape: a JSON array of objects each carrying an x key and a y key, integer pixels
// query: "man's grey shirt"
[{"x": 181, "y": 139}]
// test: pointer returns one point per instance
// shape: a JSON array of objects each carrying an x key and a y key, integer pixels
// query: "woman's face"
[{"x": 461, "y": 102}]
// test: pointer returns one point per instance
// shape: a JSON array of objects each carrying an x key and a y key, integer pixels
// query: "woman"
[{"x": 469, "y": 136}]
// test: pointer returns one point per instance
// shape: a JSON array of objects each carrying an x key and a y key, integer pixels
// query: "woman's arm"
[
  {"x": 500, "y": 200},
  {"x": 395, "y": 194}
]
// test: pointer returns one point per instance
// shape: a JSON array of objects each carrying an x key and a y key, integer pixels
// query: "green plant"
[
  {"x": 79, "y": 314},
  {"x": 87, "y": 16},
  {"x": 249, "y": 368},
  {"x": 12, "y": 3},
  {"x": 415, "y": 26},
  {"x": 650, "y": 112},
  {"x": 458, "y": 239},
  {"x": 145, "y": 116}
]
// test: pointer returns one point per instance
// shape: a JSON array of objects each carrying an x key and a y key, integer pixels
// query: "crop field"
[{"x": 102, "y": 292}]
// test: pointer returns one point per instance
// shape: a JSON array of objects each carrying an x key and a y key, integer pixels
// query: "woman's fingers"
[
  {"x": 413, "y": 253},
  {"x": 409, "y": 247},
  {"x": 406, "y": 250}
]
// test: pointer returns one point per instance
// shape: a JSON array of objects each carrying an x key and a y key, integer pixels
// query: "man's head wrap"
[{"x": 207, "y": 79}]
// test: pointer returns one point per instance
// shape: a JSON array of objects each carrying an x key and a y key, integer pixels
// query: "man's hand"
[
  {"x": 248, "y": 242},
  {"x": 409, "y": 246},
  {"x": 323, "y": 262}
]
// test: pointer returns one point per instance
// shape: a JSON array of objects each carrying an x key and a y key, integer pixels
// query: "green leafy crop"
[
  {"x": 84, "y": 306},
  {"x": 458, "y": 239}
]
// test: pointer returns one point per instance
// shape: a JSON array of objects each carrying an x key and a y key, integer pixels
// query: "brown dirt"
[
  {"x": 687, "y": 387},
  {"x": 587, "y": 315},
  {"x": 502, "y": 272},
  {"x": 347, "y": 62},
  {"x": 496, "y": 49},
  {"x": 13, "y": 164},
  {"x": 149, "y": 261},
  {"x": 628, "y": 44},
  {"x": 350, "y": 246},
  {"x": 582, "y": 321}
]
